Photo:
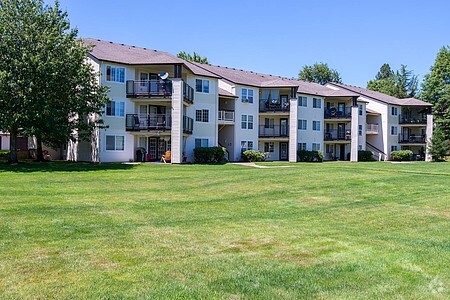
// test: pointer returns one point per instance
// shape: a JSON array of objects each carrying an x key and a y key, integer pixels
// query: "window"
[
  {"x": 201, "y": 143},
  {"x": 315, "y": 147},
  {"x": 360, "y": 110},
  {"x": 115, "y": 142},
  {"x": 394, "y": 111},
  {"x": 269, "y": 147},
  {"x": 301, "y": 124},
  {"x": 360, "y": 147},
  {"x": 115, "y": 74},
  {"x": 246, "y": 145},
  {"x": 202, "y": 86},
  {"x": 394, "y": 130},
  {"x": 316, "y": 125},
  {"x": 317, "y": 103},
  {"x": 394, "y": 148},
  {"x": 202, "y": 115},
  {"x": 247, "y": 95},
  {"x": 269, "y": 123},
  {"x": 302, "y": 101},
  {"x": 115, "y": 108},
  {"x": 360, "y": 130},
  {"x": 247, "y": 121},
  {"x": 301, "y": 146}
]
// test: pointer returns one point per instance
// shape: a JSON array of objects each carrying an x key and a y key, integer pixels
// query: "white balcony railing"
[
  {"x": 226, "y": 115},
  {"x": 372, "y": 128}
]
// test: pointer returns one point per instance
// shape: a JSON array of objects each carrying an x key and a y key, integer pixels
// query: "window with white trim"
[
  {"x": 317, "y": 103},
  {"x": 315, "y": 146},
  {"x": 302, "y": 125},
  {"x": 201, "y": 143},
  {"x": 269, "y": 123},
  {"x": 360, "y": 128},
  {"x": 302, "y": 101},
  {"x": 394, "y": 130},
  {"x": 247, "y": 122},
  {"x": 394, "y": 111},
  {"x": 269, "y": 147},
  {"x": 359, "y": 147},
  {"x": 115, "y": 74},
  {"x": 301, "y": 146},
  {"x": 202, "y": 115},
  {"x": 316, "y": 125},
  {"x": 246, "y": 145},
  {"x": 115, "y": 108},
  {"x": 394, "y": 148},
  {"x": 202, "y": 86},
  {"x": 360, "y": 110},
  {"x": 247, "y": 95},
  {"x": 115, "y": 142}
]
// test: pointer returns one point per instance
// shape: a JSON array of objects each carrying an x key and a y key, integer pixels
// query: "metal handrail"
[
  {"x": 274, "y": 131},
  {"x": 226, "y": 115},
  {"x": 156, "y": 88},
  {"x": 336, "y": 134},
  {"x": 336, "y": 113}
]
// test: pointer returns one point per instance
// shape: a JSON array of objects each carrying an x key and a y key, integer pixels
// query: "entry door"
[
  {"x": 341, "y": 131},
  {"x": 284, "y": 102},
  {"x": 341, "y": 109},
  {"x": 283, "y": 127},
  {"x": 154, "y": 83},
  {"x": 143, "y": 84},
  {"x": 342, "y": 152},
  {"x": 143, "y": 116},
  {"x": 283, "y": 151},
  {"x": 153, "y": 149}
]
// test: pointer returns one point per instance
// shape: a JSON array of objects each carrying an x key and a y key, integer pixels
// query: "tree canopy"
[
  {"x": 436, "y": 90},
  {"x": 47, "y": 88},
  {"x": 401, "y": 83},
  {"x": 319, "y": 73},
  {"x": 194, "y": 57}
]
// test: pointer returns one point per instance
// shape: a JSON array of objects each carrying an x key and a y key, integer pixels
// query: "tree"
[
  {"x": 195, "y": 57},
  {"x": 319, "y": 73},
  {"x": 400, "y": 84},
  {"x": 47, "y": 88},
  {"x": 439, "y": 146},
  {"x": 436, "y": 90}
]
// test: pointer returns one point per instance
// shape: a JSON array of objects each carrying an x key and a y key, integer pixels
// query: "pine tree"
[{"x": 439, "y": 145}]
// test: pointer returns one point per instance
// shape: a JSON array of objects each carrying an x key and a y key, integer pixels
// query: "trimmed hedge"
[
  {"x": 365, "y": 155},
  {"x": 204, "y": 155},
  {"x": 401, "y": 155},
  {"x": 309, "y": 156},
  {"x": 253, "y": 155}
]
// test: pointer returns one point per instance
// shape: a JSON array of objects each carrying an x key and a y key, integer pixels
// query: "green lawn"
[{"x": 327, "y": 231}]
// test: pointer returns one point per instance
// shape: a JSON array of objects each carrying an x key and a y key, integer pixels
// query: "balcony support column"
[
  {"x": 429, "y": 134},
  {"x": 293, "y": 130},
  {"x": 177, "y": 122},
  {"x": 354, "y": 132}
]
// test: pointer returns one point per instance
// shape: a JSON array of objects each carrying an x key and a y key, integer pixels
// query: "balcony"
[
  {"x": 156, "y": 88},
  {"x": 136, "y": 122},
  {"x": 372, "y": 128},
  {"x": 412, "y": 120},
  {"x": 412, "y": 139},
  {"x": 188, "y": 93},
  {"x": 338, "y": 113},
  {"x": 273, "y": 105},
  {"x": 276, "y": 131},
  {"x": 188, "y": 125},
  {"x": 337, "y": 135},
  {"x": 226, "y": 117}
]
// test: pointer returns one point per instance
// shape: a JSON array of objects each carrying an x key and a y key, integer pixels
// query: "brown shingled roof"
[
  {"x": 226, "y": 93},
  {"x": 382, "y": 97}
]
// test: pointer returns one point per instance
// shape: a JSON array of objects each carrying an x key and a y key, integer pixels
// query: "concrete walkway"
[{"x": 251, "y": 164}]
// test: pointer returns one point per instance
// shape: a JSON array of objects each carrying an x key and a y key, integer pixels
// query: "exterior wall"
[
  {"x": 4, "y": 141},
  {"x": 392, "y": 140},
  {"x": 362, "y": 120},
  {"x": 311, "y": 114},
  {"x": 293, "y": 130},
  {"x": 226, "y": 139},
  {"x": 380, "y": 140}
]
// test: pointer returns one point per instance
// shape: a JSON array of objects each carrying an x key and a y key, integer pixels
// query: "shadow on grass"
[{"x": 62, "y": 166}]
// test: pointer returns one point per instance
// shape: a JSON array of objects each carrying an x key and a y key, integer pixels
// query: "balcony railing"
[
  {"x": 415, "y": 119},
  {"x": 273, "y": 105},
  {"x": 412, "y": 139},
  {"x": 156, "y": 88},
  {"x": 338, "y": 113},
  {"x": 372, "y": 128},
  {"x": 188, "y": 93},
  {"x": 138, "y": 122},
  {"x": 274, "y": 132},
  {"x": 226, "y": 115},
  {"x": 337, "y": 135},
  {"x": 188, "y": 125}
]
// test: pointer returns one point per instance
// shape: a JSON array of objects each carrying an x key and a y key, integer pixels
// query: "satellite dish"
[{"x": 163, "y": 75}]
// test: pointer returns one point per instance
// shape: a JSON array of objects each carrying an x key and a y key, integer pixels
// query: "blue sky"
[{"x": 277, "y": 37}]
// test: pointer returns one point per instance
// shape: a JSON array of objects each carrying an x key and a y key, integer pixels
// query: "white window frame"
[
  {"x": 394, "y": 111},
  {"x": 116, "y": 112},
  {"x": 245, "y": 146},
  {"x": 315, "y": 146},
  {"x": 202, "y": 115},
  {"x": 317, "y": 103},
  {"x": 394, "y": 148},
  {"x": 302, "y": 101},
  {"x": 269, "y": 123},
  {"x": 394, "y": 130},
  {"x": 360, "y": 109},
  {"x": 114, "y": 69},
  {"x": 301, "y": 146},
  {"x": 245, "y": 95},
  {"x": 269, "y": 147},
  {"x": 300, "y": 124},
  {"x": 203, "y": 141},
  {"x": 316, "y": 125},
  {"x": 115, "y": 143},
  {"x": 205, "y": 87},
  {"x": 360, "y": 130},
  {"x": 245, "y": 122}
]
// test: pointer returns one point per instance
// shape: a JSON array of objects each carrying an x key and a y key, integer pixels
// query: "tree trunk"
[
  {"x": 39, "y": 152},
  {"x": 13, "y": 147}
]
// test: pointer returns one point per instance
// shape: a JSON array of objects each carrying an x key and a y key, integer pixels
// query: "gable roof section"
[
  {"x": 225, "y": 93},
  {"x": 381, "y": 96},
  {"x": 131, "y": 55}
]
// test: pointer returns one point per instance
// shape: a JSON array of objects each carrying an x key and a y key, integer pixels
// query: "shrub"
[
  {"x": 365, "y": 155},
  {"x": 205, "y": 155},
  {"x": 401, "y": 155},
  {"x": 309, "y": 156},
  {"x": 4, "y": 153},
  {"x": 253, "y": 155}
]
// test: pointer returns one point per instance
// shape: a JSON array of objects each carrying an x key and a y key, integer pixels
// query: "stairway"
[{"x": 377, "y": 153}]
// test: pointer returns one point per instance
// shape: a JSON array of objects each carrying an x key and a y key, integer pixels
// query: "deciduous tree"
[
  {"x": 194, "y": 58},
  {"x": 319, "y": 73},
  {"x": 401, "y": 83}
]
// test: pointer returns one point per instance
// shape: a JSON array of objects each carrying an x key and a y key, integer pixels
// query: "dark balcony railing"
[
  {"x": 412, "y": 119},
  {"x": 188, "y": 125},
  {"x": 138, "y": 122},
  {"x": 188, "y": 93},
  {"x": 275, "y": 131},
  {"x": 273, "y": 105},
  {"x": 337, "y": 134},
  {"x": 156, "y": 88},
  {"x": 338, "y": 113},
  {"x": 412, "y": 138}
]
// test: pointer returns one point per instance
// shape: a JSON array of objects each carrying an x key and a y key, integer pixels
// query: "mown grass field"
[{"x": 153, "y": 231}]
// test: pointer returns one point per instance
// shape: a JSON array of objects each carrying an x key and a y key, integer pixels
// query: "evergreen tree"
[
  {"x": 194, "y": 58},
  {"x": 319, "y": 73},
  {"x": 401, "y": 84},
  {"x": 439, "y": 146}
]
